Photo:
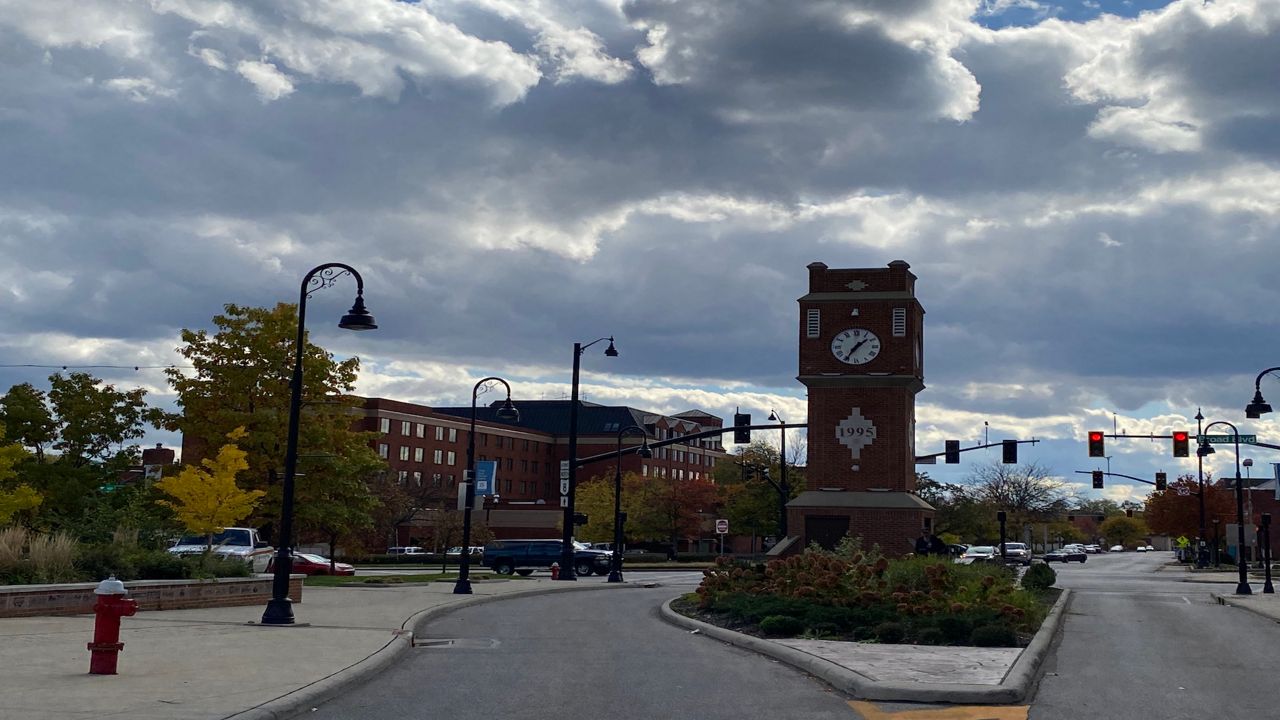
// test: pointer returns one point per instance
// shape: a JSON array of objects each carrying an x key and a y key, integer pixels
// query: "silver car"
[{"x": 1016, "y": 552}]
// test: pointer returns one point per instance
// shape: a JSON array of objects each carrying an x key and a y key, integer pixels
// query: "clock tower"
[{"x": 861, "y": 339}]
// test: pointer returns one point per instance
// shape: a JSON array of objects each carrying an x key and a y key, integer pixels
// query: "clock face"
[{"x": 855, "y": 346}]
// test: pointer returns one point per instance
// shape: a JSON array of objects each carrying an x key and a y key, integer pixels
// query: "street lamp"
[
  {"x": 1258, "y": 407},
  {"x": 1265, "y": 522},
  {"x": 1201, "y": 559},
  {"x": 280, "y": 607},
  {"x": 506, "y": 413},
  {"x": 784, "y": 490},
  {"x": 615, "y": 569},
  {"x": 566, "y": 548},
  {"x": 1242, "y": 587}
]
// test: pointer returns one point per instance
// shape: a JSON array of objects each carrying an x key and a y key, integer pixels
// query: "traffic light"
[
  {"x": 1162, "y": 481},
  {"x": 1097, "y": 479},
  {"x": 579, "y": 518},
  {"x": 1010, "y": 448},
  {"x": 1096, "y": 448},
  {"x": 741, "y": 428},
  {"x": 1180, "y": 443},
  {"x": 953, "y": 452}
]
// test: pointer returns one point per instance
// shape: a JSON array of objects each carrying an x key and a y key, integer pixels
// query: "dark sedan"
[{"x": 1066, "y": 555}]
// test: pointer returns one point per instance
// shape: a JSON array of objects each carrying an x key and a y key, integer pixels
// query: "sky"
[{"x": 1088, "y": 192}]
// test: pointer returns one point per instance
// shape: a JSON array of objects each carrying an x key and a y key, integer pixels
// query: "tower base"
[{"x": 890, "y": 520}]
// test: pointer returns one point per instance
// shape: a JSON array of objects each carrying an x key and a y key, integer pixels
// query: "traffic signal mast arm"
[
  {"x": 684, "y": 440},
  {"x": 1116, "y": 474},
  {"x": 927, "y": 459}
]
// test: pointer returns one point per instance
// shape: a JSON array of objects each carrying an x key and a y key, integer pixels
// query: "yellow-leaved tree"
[
  {"x": 206, "y": 500},
  {"x": 14, "y": 498}
]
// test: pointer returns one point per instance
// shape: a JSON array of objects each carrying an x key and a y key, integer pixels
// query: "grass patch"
[{"x": 340, "y": 580}]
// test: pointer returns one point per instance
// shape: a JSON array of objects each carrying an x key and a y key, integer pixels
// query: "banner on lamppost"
[{"x": 486, "y": 477}]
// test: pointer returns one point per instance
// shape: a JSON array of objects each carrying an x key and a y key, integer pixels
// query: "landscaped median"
[{"x": 910, "y": 630}]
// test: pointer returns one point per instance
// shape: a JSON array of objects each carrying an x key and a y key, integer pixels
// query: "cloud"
[{"x": 269, "y": 81}]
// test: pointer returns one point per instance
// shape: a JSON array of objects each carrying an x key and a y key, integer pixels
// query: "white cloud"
[{"x": 270, "y": 83}]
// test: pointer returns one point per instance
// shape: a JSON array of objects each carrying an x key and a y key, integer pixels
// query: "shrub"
[
  {"x": 12, "y": 542},
  {"x": 994, "y": 635},
  {"x": 162, "y": 565},
  {"x": 955, "y": 629},
  {"x": 53, "y": 557},
  {"x": 822, "y": 631},
  {"x": 930, "y": 636},
  {"x": 781, "y": 626},
  {"x": 1039, "y": 577},
  {"x": 890, "y": 632},
  {"x": 216, "y": 567},
  {"x": 97, "y": 562}
]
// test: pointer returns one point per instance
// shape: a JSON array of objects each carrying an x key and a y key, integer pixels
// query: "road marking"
[
  {"x": 869, "y": 711},
  {"x": 1185, "y": 600}
]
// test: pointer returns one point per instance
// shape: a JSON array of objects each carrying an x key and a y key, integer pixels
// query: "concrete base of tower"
[{"x": 890, "y": 520}]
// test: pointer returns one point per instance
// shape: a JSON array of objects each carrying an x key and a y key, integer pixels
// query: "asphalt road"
[
  {"x": 1142, "y": 643},
  {"x": 583, "y": 656}
]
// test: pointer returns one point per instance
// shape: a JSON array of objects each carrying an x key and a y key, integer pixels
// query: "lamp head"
[
  {"x": 773, "y": 416},
  {"x": 358, "y": 317},
  {"x": 611, "y": 351},
  {"x": 644, "y": 450},
  {"x": 1258, "y": 407},
  {"x": 1204, "y": 449},
  {"x": 508, "y": 412}
]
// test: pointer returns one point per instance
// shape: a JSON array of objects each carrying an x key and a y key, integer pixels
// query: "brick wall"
[{"x": 78, "y": 598}]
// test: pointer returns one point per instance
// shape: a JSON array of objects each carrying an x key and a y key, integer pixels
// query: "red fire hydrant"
[
  {"x": 555, "y": 571},
  {"x": 110, "y": 607}
]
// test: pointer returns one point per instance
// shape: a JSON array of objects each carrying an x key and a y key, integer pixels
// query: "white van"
[{"x": 406, "y": 550}]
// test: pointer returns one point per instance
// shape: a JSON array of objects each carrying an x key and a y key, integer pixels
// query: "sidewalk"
[
  {"x": 1266, "y": 605},
  {"x": 218, "y": 662}
]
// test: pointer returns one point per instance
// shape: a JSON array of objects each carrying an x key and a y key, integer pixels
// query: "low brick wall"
[{"x": 78, "y": 598}]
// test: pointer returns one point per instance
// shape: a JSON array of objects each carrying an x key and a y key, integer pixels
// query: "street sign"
[
  {"x": 1227, "y": 439},
  {"x": 486, "y": 477},
  {"x": 564, "y": 469},
  {"x": 564, "y": 486},
  {"x": 564, "y": 501},
  {"x": 722, "y": 527}
]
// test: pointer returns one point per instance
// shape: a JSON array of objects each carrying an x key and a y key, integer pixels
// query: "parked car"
[
  {"x": 233, "y": 543},
  {"x": 1067, "y": 554},
  {"x": 309, "y": 564},
  {"x": 1117, "y": 548},
  {"x": 1093, "y": 549},
  {"x": 406, "y": 550},
  {"x": 1150, "y": 549},
  {"x": 1141, "y": 548},
  {"x": 524, "y": 556},
  {"x": 977, "y": 554},
  {"x": 476, "y": 551},
  {"x": 1016, "y": 553}
]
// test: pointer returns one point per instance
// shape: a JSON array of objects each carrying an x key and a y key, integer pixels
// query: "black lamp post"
[
  {"x": 566, "y": 548},
  {"x": 1258, "y": 407},
  {"x": 1201, "y": 559},
  {"x": 1216, "y": 542},
  {"x": 784, "y": 490},
  {"x": 280, "y": 607},
  {"x": 1001, "y": 516},
  {"x": 615, "y": 568},
  {"x": 1242, "y": 587},
  {"x": 1265, "y": 522},
  {"x": 506, "y": 413}
]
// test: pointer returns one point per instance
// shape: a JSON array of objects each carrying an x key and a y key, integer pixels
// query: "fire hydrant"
[
  {"x": 110, "y": 607},
  {"x": 555, "y": 571}
]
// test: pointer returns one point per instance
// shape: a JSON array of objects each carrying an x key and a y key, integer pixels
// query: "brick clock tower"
[{"x": 862, "y": 360}]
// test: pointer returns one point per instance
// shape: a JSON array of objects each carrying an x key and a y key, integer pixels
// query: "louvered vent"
[
  {"x": 813, "y": 321},
  {"x": 899, "y": 322}
]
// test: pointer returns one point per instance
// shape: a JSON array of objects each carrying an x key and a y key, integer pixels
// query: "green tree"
[
  {"x": 25, "y": 414},
  {"x": 1121, "y": 530},
  {"x": 95, "y": 420},
  {"x": 751, "y": 504},
  {"x": 242, "y": 374},
  {"x": 206, "y": 499},
  {"x": 334, "y": 500},
  {"x": 14, "y": 496}
]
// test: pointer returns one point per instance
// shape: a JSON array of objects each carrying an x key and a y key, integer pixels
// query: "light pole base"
[
  {"x": 614, "y": 576},
  {"x": 279, "y": 612},
  {"x": 1268, "y": 589},
  {"x": 462, "y": 587},
  {"x": 1244, "y": 589}
]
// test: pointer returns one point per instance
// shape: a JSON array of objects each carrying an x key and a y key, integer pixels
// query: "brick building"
[{"x": 427, "y": 446}]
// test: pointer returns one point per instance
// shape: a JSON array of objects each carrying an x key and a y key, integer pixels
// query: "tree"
[
  {"x": 670, "y": 509},
  {"x": 94, "y": 420},
  {"x": 753, "y": 504},
  {"x": 333, "y": 497},
  {"x": 14, "y": 497},
  {"x": 25, "y": 414},
  {"x": 1121, "y": 530},
  {"x": 242, "y": 376},
  {"x": 1175, "y": 510},
  {"x": 206, "y": 499}
]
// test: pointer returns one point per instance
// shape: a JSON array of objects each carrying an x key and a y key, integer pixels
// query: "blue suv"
[{"x": 505, "y": 557}]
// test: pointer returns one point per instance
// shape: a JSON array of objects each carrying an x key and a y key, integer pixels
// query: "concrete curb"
[
  {"x": 1013, "y": 688},
  {"x": 1229, "y": 601},
  {"x": 308, "y": 696}
]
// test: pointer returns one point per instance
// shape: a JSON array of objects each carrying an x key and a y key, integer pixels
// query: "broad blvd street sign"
[{"x": 1227, "y": 439}]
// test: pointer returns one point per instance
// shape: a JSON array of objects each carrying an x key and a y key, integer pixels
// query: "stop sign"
[{"x": 722, "y": 527}]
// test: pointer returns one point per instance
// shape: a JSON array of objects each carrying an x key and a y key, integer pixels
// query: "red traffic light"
[
  {"x": 1180, "y": 439},
  {"x": 1096, "y": 448}
]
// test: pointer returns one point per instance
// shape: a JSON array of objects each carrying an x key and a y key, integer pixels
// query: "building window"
[
  {"x": 509, "y": 464},
  {"x": 452, "y": 457},
  {"x": 417, "y": 454},
  {"x": 422, "y": 430},
  {"x": 507, "y": 483},
  {"x": 453, "y": 481},
  {"x": 384, "y": 425},
  {"x": 484, "y": 439},
  {"x": 644, "y": 470},
  {"x": 435, "y": 479},
  {"x": 404, "y": 452},
  {"x": 439, "y": 432},
  {"x": 405, "y": 427},
  {"x": 534, "y": 469},
  {"x": 417, "y": 478},
  {"x": 524, "y": 466},
  {"x": 383, "y": 450},
  {"x": 526, "y": 445},
  {"x": 438, "y": 456},
  {"x": 401, "y": 476},
  {"x": 453, "y": 434}
]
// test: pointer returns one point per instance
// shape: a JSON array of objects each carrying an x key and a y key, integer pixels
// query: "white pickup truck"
[{"x": 233, "y": 542}]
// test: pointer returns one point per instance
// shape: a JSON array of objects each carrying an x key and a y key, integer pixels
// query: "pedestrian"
[
  {"x": 922, "y": 543},
  {"x": 936, "y": 545}
]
